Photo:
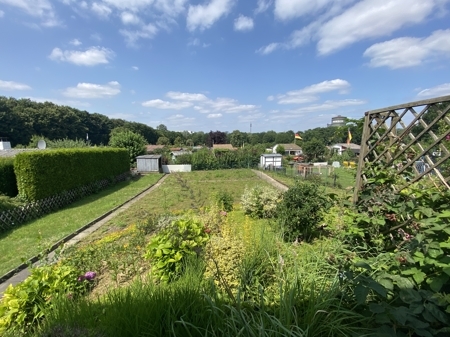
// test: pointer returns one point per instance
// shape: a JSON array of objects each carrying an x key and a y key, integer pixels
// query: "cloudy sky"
[{"x": 223, "y": 64}]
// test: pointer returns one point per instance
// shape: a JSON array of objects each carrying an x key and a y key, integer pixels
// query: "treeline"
[{"x": 21, "y": 119}]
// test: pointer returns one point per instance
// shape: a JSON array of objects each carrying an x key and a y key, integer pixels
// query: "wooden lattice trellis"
[
  {"x": 13, "y": 217},
  {"x": 412, "y": 138}
]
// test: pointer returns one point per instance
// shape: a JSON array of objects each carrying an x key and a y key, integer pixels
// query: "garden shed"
[
  {"x": 149, "y": 163},
  {"x": 270, "y": 160}
]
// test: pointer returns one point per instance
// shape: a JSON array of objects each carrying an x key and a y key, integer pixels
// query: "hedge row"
[
  {"x": 8, "y": 184},
  {"x": 43, "y": 174},
  {"x": 221, "y": 159}
]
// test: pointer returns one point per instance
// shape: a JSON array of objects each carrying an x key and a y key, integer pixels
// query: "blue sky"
[{"x": 204, "y": 65}]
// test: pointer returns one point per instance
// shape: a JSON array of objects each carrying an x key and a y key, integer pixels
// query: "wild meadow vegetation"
[{"x": 222, "y": 253}]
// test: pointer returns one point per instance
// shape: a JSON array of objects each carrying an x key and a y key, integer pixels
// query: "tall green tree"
[{"x": 133, "y": 142}]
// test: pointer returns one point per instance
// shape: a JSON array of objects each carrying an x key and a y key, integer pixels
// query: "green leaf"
[
  {"x": 419, "y": 277},
  {"x": 362, "y": 264},
  {"x": 437, "y": 282},
  {"x": 386, "y": 283},
  {"x": 361, "y": 293},
  {"x": 436, "y": 312},
  {"x": 410, "y": 296},
  {"x": 376, "y": 308}
]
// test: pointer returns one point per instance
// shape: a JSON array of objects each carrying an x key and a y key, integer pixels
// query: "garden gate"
[{"x": 412, "y": 138}]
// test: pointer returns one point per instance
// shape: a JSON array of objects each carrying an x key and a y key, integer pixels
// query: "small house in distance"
[
  {"x": 149, "y": 163},
  {"x": 339, "y": 148},
  {"x": 290, "y": 149},
  {"x": 270, "y": 160}
]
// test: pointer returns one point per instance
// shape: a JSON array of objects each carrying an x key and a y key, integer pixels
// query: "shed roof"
[
  {"x": 14, "y": 152},
  {"x": 223, "y": 147},
  {"x": 271, "y": 155},
  {"x": 149, "y": 156},
  {"x": 290, "y": 147}
]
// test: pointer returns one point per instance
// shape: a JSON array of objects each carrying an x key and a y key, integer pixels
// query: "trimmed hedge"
[
  {"x": 8, "y": 183},
  {"x": 43, "y": 174}
]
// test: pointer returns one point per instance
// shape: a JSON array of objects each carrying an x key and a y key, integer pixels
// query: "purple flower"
[
  {"x": 90, "y": 275},
  {"x": 81, "y": 278}
]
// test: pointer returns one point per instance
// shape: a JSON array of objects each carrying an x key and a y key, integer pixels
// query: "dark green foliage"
[
  {"x": 42, "y": 174},
  {"x": 224, "y": 200},
  {"x": 301, "y": 210},
  {"x": 133, "y": 142},
  {"x": 402, "y": 243},
  {"x": 205, "y": 159},
  {"x": 8, "y": 184}
]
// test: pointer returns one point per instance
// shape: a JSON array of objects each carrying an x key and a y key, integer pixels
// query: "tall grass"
[{"x": 302, "y": 301}]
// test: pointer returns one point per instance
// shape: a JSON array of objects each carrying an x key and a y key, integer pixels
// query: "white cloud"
[
  {"x": 439, "y": 90},
  {"x": 409, "y": 51},
  {"x": 310, "y": 93},
  {"x": 10, "y": 85},
  {"x": 132, "y": 5},
  {"x": 101, "y": 9},
  {"x": 129, "y": 18},
  {"x": 144, "y": 32},
  {"x": 263, "y": 5},
  {"x": 91, "y": 57},
  {"x": 135, "y": 68},
  {"x": 269, "y": 48},
  {"x": 73, "y": 103},
  {"x": 214, "y": 116},
  {"x": 289, "y": 9},
  {"x": 229, "y": 105},
  {"x": 204, "y": 16},
  {"x": 165, "y": 105},
  {"x": 171, "y": 7},
  {"x": 75, "y": 42},
  {"x": 328, "y": 105},
  {"x": 42, "y": 9},
  {"x": 369, "y": 19},
  {"x": 243, "y": 23},
  {"x": 91, "y": 90},
  {"x": 2, "y": 13},
  {"x": 183, "y": 96}
]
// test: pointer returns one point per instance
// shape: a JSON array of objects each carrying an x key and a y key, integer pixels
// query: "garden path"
[{"x": 96, "y": 224}]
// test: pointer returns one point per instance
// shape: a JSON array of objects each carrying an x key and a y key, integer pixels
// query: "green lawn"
[{"x": 31, "y": 238}]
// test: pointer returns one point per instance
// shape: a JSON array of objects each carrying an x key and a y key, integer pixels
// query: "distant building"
[
  {"x": 337, "y": 121},
  {"x": 341, "y": 147},
  {"x": 290, "y": 149}
]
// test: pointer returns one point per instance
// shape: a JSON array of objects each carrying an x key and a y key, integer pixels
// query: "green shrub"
[
  {"x": 169, "y": 249},
  {"x": 260, "y": 202},
  {"x": 8, "y": 183},
  {"x": 301, "y": 209},
  {"x": 23, "y": 305},
  {"x": 224, "y": 200},
  {"x": 133, "y": 142},
  {"x": 42, "y": 174}
]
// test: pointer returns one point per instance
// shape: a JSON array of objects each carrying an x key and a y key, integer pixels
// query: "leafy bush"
[
  {"x": 169, "y": 249},
  {"x": 402, "y": 240},
  {"x": 23, "y": 305},
  {"x": 41, "y": 174},
  {"x": 133, "y": 142},
  {"x": 301, "y": 209},
  {"x": 224, "y": 201},
  {"x": 8, "y": 183},
  {"x": 260, "y": 202}
]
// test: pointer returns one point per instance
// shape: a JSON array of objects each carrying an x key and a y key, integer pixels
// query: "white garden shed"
[{"x": 270, "y": 159}]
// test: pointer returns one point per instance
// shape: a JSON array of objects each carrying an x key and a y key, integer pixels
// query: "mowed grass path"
[
  {"x": 175, "y": 197},
  {"x": 30, "y": 239}
]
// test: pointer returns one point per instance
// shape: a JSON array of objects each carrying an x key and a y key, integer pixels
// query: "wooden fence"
[
  {"x": 16, "y": 216},
  {"x": 411, "y": 138}
]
